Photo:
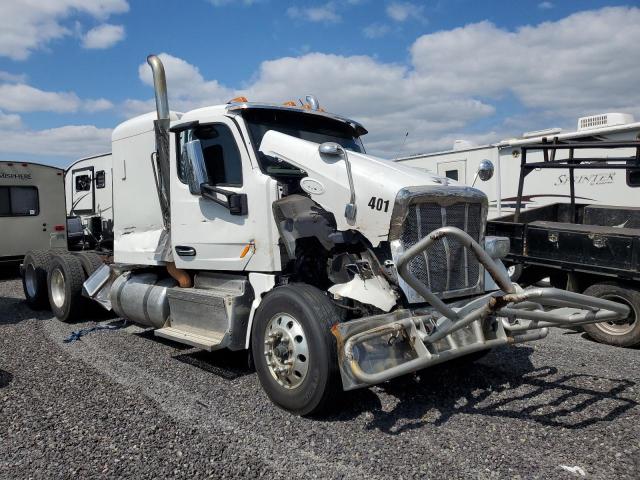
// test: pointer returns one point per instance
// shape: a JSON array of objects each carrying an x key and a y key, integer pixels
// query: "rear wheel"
[
  {"x": 64, "y": 282},
  {"x": 36, "y": 266},
  {"x": 90, "y": 262},
  {"x": 624, "y": 333},
  {"x": 294, "y": 350}
]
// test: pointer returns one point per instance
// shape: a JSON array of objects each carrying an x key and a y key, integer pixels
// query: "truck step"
[{"x": 208, "y": 342}]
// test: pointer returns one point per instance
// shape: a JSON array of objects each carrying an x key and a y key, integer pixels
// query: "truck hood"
[{"x": 377, "y": 182}]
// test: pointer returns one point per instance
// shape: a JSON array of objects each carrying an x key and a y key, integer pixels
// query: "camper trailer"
[
  {"x": 465, "y": 162},
  {"x": 32, "y": 209},
  {"x": 89, "y": 194}
]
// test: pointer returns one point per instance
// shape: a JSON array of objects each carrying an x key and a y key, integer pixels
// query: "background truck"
[
  {"x": 32, "y": 214},
  {"x": 268, "y": 228},
  {"x": 587, "y": 248},
  {"x": 89, "y": 195}
]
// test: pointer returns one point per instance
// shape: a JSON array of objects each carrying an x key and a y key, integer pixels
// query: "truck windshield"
[{"x": 302, "y": 125}]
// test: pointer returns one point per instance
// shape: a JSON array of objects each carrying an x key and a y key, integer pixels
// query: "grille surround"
[{"x": 447, "y": 268}]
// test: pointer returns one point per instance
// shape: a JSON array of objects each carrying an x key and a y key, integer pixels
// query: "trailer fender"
[{"x": 261, "y": 284}]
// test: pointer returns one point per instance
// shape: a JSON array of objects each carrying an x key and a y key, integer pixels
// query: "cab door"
[{"x": 206, "y": 234}]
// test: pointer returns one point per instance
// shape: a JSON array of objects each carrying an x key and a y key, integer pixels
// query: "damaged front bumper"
[{"x": 375, "y": 349}]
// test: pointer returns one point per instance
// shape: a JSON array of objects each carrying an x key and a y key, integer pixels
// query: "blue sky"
[{"x": 71, "y": 70}]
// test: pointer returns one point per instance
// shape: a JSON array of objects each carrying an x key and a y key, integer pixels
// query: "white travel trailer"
[
  {"x": 32, "y": 209},
  {"x": 605, "y": 187},
  {"x": 89, "y": 194}
]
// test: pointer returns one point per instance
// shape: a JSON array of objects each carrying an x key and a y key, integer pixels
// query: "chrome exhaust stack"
[
  {"x": 160, "y": 158},
  {"x": 159, "y": 86}
]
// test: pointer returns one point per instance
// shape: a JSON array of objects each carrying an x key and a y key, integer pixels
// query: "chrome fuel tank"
[{"x": 142, "y": 298}]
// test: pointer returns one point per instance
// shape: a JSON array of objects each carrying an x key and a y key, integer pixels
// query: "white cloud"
[
  {"x": 545, "y": 5},
  {"x": 12, "y": 77},
  {"x": 322, "y": 14},
  {"x": 576, "y": 65},
  {"x": 103, "y": 36},
  {"x": 71, "y": 141},
  {"x": 19, "y": 97},
  {"x": 557, "y": 70},
  {"x": 375, "y": 30},
  {"x": 27, "y": 25},
  {"x": 402, "y": 11},
  {"x": 10, "y": 121}
]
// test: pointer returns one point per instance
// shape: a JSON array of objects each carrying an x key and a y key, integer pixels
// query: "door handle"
[{"x": 185, "y": 251}]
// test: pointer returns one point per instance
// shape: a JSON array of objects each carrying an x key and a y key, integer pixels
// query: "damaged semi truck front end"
[{"x": 268, "y": 227}]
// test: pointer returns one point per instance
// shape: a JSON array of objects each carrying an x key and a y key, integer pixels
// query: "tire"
[
  {"x": 515, "y": 271},
  {"x": 314, "y": 314},
  {"x": 36, "y": 266},
  {"x": 90, "y": 262},
  {"x": 618, "y": 334},
  {"x": 64, "y": 286}
]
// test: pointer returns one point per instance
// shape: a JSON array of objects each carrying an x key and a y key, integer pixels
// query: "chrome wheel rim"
[
  {"x": 621, "y": 327},
  {"x": 31, "y": 280},
  {"x": 286, "y": 350},
  {"x": 57, "y": 288}
]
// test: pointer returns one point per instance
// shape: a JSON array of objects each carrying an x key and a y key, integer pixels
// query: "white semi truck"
[{"x": 268, "y": 228}]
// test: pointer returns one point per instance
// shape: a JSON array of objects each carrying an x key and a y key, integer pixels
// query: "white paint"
[
  {"x": 372, "y": 177},
  {"x": 373, "y": 291},
  {"x": 261, "y": 284}
]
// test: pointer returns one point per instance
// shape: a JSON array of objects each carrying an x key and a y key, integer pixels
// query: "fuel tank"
[{"x": 142, "y": 298}]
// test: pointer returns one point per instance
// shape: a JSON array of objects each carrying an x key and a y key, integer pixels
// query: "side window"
[
  {"x": 221, "y": 155},
  {"x": 100, "y": 179},
  {"x": 19, "y": 201},
  {"x": 83, "y": 183}
]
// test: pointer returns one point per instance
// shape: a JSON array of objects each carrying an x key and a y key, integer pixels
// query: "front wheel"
[
  {"x": 624, "y": 333},
  {"x": 294, "y": 350}
]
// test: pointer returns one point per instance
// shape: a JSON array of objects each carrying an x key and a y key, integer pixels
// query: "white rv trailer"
[
  {"x": 32, "y": 207},
  {"x": 89, "y": 195},
  {"x": 605, "y": 187}
]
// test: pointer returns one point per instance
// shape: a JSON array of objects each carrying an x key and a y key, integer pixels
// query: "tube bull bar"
[{"x": 375, "y": 349}]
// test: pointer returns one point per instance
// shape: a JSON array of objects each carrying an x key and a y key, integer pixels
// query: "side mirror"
[
  {"x": 485, "y": 170},
  {"x": 195, "y": 169},
  {"x": 335, "y": 149},
  {"x": 330, "y": 148}
]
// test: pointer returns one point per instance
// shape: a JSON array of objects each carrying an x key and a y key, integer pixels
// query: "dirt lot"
[{"x": 122, "y": 403}]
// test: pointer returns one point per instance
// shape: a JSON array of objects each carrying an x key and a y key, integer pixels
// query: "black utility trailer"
[{"x": 591, "y": 249}]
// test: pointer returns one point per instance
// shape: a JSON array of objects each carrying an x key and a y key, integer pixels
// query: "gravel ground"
[{"x": 122, "y": 403}]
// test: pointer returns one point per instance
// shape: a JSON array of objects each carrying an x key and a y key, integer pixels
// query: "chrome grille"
[{"x": 446, "y": 267}]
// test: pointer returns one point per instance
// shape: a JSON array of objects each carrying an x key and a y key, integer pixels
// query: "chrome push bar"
[{"x": 374, "y": 349}]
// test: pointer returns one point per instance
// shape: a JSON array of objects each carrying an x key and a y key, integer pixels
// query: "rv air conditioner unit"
[{"x": 604, "y": 120}]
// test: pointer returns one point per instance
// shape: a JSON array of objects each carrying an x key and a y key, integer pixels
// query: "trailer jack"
[{"x": 377, "y": 348}]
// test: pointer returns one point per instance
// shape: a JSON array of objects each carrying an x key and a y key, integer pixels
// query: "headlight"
[{"x": 497, "y": 247}]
